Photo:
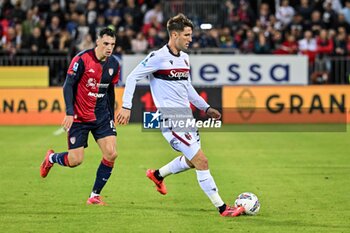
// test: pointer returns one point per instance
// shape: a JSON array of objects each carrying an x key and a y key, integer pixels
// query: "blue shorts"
[{"x": 78, "y": 134}]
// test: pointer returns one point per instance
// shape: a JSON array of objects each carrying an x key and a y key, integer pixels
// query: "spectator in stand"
[
  {"x": 285, "y": 13},
  {"x": 346, "y": 11},
  {"x": 55, "y": 11},
  {"x": 52, "y": 33},
  {"x": 37, "y": 43},
  {"x": 308, "y": 46},
  {"x": 153, "y": 39},
  {"x": 336, "y": 5},
  {"x": 72, "y": 25},
  {"x": 248, "y": 43},
  {"x": 316, "y": 23},
  {"x": 341, "y": 22},
  {"x": 11, "y": 43},
  {"x": 29, "y": 24},
  {"x": 340, "y": 43},
  {"x": 329, "y": 16},
  {"x": 289, "y": 46},
  {"x": 264, "y": 14},
  {"x": 134, "y": 10},
  {"x": 91, "y": 13},
  {"x": 156, "y": 12},
  {"x": 297, "y": 23},
  {"x": 305, "y": 10},
  {"x": 226, "y": 38},
  {"x": 325, "y": 45},
  {"x": 113, "y": 14},
  {"x": 86, "y": 43},
  {"x": 276, "y": 40},
  {"x": 245, "y": 14},
  {"x": 213, "y": 40},
  {"x": 18, "y": 15},
  {"x": 153, "y": 23},
  {"x": 123, "y": 44},
  {"x": 129, "y": 22},
  {"x": 261, "y": 45},
  {"x": 199, "y": 40},
  {"x": 139, "y": 44},
  {"x": 65, "y": 41}
]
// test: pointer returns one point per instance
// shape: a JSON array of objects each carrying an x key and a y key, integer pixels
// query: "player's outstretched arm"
[
  {"x": 213, "y": 113},
  {"x": 123, "y": 116}
]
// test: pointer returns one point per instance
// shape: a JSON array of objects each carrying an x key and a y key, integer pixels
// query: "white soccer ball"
[{"x": 250, "y": 203}]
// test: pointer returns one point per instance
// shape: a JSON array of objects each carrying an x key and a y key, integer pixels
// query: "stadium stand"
[{"x": 50, "y": 32}]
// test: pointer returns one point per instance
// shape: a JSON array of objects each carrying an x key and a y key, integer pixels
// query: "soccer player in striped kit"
[{"x": 89, "y": 97}]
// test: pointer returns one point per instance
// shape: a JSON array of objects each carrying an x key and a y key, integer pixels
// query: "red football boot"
[
  {"x": 46, "y": 165},
  {"x": 159, "y": 183},
  {"x": 233, "y": 211},
  {"x": 96, "y": 200}
]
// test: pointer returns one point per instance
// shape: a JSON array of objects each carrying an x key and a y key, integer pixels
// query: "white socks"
[
  {"x": 208, "y": 185},
  {"x": 94, "y": 194},
  {"x": 176, "y": 166}
]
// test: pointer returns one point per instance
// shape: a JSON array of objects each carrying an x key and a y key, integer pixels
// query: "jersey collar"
[{"x": 171, "y": 52}]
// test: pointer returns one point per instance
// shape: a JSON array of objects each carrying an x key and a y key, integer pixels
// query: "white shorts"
[{"x": 188, "y": 143}]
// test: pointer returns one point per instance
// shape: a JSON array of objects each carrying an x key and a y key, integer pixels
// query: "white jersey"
[{"x": 170, "y": 81}]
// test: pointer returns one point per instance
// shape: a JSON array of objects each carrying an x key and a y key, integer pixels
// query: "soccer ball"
[{"x": 250, "y": 203}]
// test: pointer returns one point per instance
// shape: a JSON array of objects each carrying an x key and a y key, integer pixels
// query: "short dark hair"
[
  {"x": 108, "y": 32},
  {"x": 178, "y": 23}
]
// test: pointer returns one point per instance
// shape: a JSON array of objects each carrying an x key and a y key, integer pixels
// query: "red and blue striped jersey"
[{"x": 89, "y": 87}]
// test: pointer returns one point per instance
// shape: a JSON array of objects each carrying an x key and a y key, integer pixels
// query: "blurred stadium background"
[{"x": 260, "y": 62}]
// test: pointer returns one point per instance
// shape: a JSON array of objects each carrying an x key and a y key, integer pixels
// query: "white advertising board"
[{"x": 220, "y": 70}]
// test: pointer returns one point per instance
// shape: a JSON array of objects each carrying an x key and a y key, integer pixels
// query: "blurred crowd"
[{"x": 314, "y": 28}]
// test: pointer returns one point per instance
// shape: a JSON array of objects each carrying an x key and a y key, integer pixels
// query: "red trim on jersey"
[
  {"x": 180, "y": 138},
  {"x": 107, "y": 163}
]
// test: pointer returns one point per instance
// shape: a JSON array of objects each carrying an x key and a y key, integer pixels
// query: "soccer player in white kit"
[{"x": 168, "y": 70}]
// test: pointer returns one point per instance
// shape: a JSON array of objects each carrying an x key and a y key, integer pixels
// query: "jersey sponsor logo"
[
  {"x": 91, "y": 71},
  {"x": 96, "y": 95},
  {"x": 102, "y": 85},
  {"x": 178, "y": 74},
  {"x": 91, "y": 83},
  {"x": 110, "y": 71},
  {"x": 75, "y": 66}
]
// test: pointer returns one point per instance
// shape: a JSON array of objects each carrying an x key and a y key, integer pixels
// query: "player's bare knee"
[
  {"x": 200, "y": 161},
  {"x": 75, "y": 162},
  {"x": 111, "y": 155},
  {"x": 189, "y": 163}
]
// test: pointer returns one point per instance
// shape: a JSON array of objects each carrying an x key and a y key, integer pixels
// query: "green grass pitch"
[{"x": 302, "y": 181}]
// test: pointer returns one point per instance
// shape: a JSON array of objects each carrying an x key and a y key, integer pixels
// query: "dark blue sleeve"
[{"x": 74, "y": 73}]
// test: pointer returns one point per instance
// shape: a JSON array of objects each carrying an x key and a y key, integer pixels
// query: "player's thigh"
[
  {"x": 76, "y": 156},
  {"x": 189, "y": 145},
  {"x": 108, "y": 147}
]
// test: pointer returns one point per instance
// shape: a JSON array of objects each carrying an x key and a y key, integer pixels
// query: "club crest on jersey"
[
  {"x": 171, "y": 62},
  {"x": 186, "y": 62},
  {"x": 110, "y": 71},
  {"x": 72, "y": 140},
  {"x": 188, "y": 136}
]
